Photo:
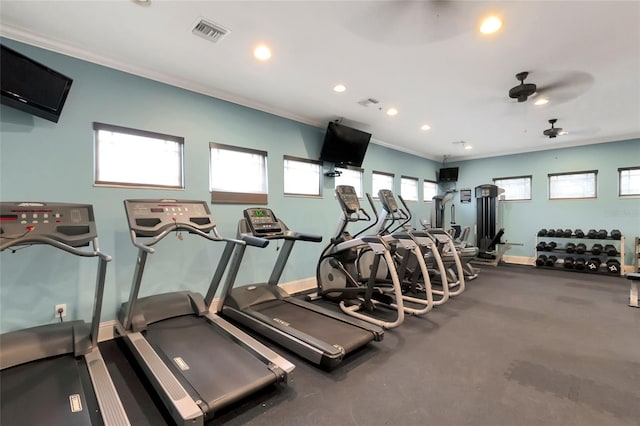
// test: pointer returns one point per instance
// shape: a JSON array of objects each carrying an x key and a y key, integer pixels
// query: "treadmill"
[
  {"x": 54, "y": 374},
  {"x": 197, "y": 362},
  {"x": 317, "y": 334}
]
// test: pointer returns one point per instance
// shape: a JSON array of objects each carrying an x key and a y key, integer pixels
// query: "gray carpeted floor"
[{"x": 520, "y": 347}]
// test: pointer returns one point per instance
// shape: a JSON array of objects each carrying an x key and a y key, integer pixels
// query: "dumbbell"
[
  {"x": 550, "y": 246},
  {"x": 542, "y": 232},
  {"x": 570, "y": 248},
  {"x": 610, "y": 249},
  {"x": 551, "y": 261},
  {"x": 579, "y": 264},
  {"x": 613, "y": 266},
  {"x": 593, "y": 264},
  {"x": 615, "y": 234},
  {"x": 592, "y": 233},
  {"x": 567, "y": 233},
  {"x": 581, "y": 248},
  {"x": 596, "y": 249},
  {"x": 541, "y": 246},
  {"x": 551, "y": 233},
  {"x": 541, "y": 260},
  {"x": 602, "y": 234},
  {"x": 578, "y": 233},
  {"x": 568, "y": 262}
]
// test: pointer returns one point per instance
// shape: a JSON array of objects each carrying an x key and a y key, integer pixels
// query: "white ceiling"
[{"x": 425, "y": 58}]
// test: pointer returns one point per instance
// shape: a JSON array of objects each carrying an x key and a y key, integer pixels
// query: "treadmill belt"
[
  {"x": 219, "y": 370},
  {"x": 327, "y": 329},
  {"x": 44, "y": 392}
]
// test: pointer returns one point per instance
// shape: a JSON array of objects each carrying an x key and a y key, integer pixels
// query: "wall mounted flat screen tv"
[
  {"x": 448, "y": 174},
  {"x": 344, "y": 146},
  {"x": 32, "y": 87}
]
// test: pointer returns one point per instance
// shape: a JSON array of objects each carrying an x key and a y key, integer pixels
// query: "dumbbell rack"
[
  {"x": 560, "y": 252},
  {"x": 636, "y": 257}
]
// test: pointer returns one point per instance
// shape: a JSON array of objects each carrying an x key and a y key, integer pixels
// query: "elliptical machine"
[{"x": 337, "y": 273}]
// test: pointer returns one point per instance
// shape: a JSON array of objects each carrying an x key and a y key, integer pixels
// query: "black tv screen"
[
  {"x": 448, "y": 174},
  {"x": 32, "y": 87},
  {"x": 344, "y": 145}
]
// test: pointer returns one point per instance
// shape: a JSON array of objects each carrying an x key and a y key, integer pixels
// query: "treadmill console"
[
  {"x": 148, "y": 218},
  {"x": 388, "y": 200},
  {"x": 348, "y": 199},
  {"x": 262, "y": 221},
  {"x": 71, "y": 224}
]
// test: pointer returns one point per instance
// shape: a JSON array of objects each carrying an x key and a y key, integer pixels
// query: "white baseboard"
[{"x": 519, "y": 260}]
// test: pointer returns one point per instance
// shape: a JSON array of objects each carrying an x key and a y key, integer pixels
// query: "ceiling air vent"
[{"x": 209, "y": 30}]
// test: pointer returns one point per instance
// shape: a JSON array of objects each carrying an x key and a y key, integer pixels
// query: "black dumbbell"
[
  {"x": 613, "y": 266},
  {"x": 570, "y": 248},
  {"x": 615, "y": 234},
  {"x": 542, "y": 232},
  {"x": 581, "y": 248},
  {"x": 551, "y": 233},
  {"x": 596, "y": 249},
  {"x": 593, "y": 264},
  {"x": 541, "y": 260},
  {"x": 551, "y": 261},
  {"x": 568, "y": 262},
  {"x": 568, "y": 233},
  {"x": 592, "y": 233},
  {"x": 579, "y": 233},
  {"x": 550, "y": 246},
  {"x": 541, "y": 246},
  {"x": 579, "y": 264},
  {"x": 610, "y": 249},
  {"x": 602, "y": 234}
]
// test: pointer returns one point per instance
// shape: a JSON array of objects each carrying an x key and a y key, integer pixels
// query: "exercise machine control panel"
[
  {"x": 149, "y": 218},
  {"x": 262, "y": 221},
  {"x": 348, "y": 199},
  {"x": 72, "y": 224},
  {"x": 388, "y": 200}
]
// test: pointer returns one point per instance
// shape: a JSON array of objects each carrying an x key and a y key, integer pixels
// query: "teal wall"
[
  {"x": 43, "y": 161},
  {"x": 523, "y": 219}
]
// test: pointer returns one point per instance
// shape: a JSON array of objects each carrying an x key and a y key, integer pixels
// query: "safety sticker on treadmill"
[
  {"x": 75, "y": 402},
  {"x": 181, "y": 364},
  {"x": 283, "y": 322}
]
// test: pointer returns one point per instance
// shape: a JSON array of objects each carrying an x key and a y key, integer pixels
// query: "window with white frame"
[
  {"x": 237, "y": 175},
  {"x": 352, "y": 177},
  {"x": 515, "y": 188},
  {"x": 380, "y": 180},
  {"x": 409, "y": 188},
  {"x": 429, "y": 190},
  {"x": 629, "y": 181},
  {"x": 302, "y": 176},
  {"x": 573, "y": 185},
  {"x": 137, "y": 158}
]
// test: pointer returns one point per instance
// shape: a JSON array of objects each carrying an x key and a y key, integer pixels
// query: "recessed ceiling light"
[
  {"x": 490, "y": 25},
  {"x": 425, "y": 127},
  {"x": 392, "y": 111},
  {"x": 467, "y": 146},
  {"x": 541, "y": 101},
  {"x": 262, "y": 52},
  {"x": 339, "y": 88}
]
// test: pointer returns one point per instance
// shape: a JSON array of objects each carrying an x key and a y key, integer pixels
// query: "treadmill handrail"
[
  {"x": 180, "y": 226},
  {"x": 41, "y": 239}
]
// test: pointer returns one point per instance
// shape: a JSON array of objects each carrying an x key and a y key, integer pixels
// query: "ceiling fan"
[
  {"x": 566, "y": 85},
  {"x": 553, "y": 131}
]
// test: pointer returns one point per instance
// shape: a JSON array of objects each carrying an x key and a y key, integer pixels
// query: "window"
[
  {"x": 629, "y": 180},
  {"x": 409, "y": 188},
  {"x": 380, "y": 180},
  {"x": 572, "y": 185},
  {"x": 238, "y": 175},
  {"x": 515, "y": 188},
  {"x": 137, "y": 158},
  {"x": 301, "y": 176},
  {"x": 352, "y": 177},
  {"x": 429, "y": 190}
]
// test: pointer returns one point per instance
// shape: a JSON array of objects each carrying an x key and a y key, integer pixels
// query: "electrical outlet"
[{"x": 60, "y": 311}]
